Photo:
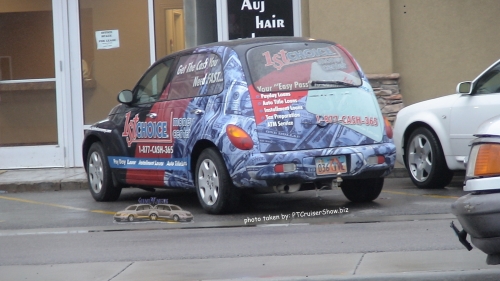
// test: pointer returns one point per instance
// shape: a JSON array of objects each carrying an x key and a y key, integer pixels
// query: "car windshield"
[{"x": 301, "y": 66}]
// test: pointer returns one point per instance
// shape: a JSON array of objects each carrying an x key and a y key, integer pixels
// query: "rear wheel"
[
  {"x": 425, "y": 160},
  {"x": 214, "y": 186},
  {"x": 362, "y": 190},
  {"x": 99, "y": 175}
]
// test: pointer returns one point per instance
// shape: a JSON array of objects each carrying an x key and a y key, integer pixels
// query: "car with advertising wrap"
[
  {"x": 479, "y": 211},
  {"x": 275, "y": 113},
  {"x": 169, "y": 212},
  {"x": 432, "y": 137},
  {"x": 134, "y": 212}
]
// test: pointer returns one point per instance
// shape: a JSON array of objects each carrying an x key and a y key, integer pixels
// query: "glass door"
[{"x": 30, "y": 128}]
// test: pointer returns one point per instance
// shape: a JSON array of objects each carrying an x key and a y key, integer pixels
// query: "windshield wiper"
[{"x": 326, "y": 82}]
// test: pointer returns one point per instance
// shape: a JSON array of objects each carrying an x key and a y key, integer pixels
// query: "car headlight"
[{"x": 484, "y": 160}]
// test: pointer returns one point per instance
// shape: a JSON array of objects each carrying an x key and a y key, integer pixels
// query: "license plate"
[{"x": 331, "y": 165}]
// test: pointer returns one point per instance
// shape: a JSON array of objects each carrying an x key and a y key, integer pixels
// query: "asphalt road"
[
  {"x": 400, "y": 200},
  {"x": 70, "y": 227}
]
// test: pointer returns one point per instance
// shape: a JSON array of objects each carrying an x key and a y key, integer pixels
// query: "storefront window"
[
  {"x": 169, "y": 27},
  {"x": 28, "y": 114},
  {"x": 115, "y": 51}
]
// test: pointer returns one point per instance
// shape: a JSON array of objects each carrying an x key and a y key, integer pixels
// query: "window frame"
[
  {"x": 173, "y": 75},
  {"x": 146, "y": 75}
]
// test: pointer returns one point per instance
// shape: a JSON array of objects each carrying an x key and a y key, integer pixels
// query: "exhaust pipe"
[{"x": 287, "y": 188}]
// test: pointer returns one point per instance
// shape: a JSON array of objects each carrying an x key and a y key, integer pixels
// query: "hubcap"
[
  {"x": 420, "y": 158},
  {"x": 96, "y": 172},
  {"x": 208, "y": 182}
]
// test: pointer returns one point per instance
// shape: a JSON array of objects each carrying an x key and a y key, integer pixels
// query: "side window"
[
  {"x": 131, "y": 208},
  {"x": 489, "y": 82},
  {"x": 153, "y": 83},
  {"x": 167, "y": 208},
  {"x": 175, "y": 208},
  {"x": 197, "y": 75}
]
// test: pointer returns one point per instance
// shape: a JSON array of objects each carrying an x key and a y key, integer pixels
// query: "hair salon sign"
[{"x": 247, "y": 18}]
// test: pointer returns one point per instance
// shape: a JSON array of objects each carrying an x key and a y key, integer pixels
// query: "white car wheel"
[{"x": 425, "y": 160}]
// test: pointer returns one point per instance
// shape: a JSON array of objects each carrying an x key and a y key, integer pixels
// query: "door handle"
[
  {"x": 152, "y": 115},
  {"x": 197, "y": 111}
]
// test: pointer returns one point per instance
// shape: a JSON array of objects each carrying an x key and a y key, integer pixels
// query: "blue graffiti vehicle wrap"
[{"x": 276, "y": 113}]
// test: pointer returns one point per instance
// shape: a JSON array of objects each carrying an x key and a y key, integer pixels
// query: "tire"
[
  {"x": 214, "y": 186},
  {"x": 425, "y": 160},
  {"x": 130, "y": 218},
  {"x": 176, "y": 218},
  {"x": 99, "y": 175},
  {"x": 153, "y": 217},
  {"x": 362, "y": 190}
]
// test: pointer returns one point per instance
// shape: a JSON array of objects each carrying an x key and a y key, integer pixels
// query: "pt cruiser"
[{"x": 283, "y": 113}]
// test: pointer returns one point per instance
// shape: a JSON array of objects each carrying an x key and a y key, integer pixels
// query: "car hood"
[{"x": 490, "y": 127}]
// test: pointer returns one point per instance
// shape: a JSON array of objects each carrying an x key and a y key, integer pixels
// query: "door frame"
[{"x": 60, "y": 154}]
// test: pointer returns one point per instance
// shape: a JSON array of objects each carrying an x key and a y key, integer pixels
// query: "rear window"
[{"x": 301, "y": 66}]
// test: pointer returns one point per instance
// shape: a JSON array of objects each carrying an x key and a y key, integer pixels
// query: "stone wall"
[{"x": 386, "y": 88}]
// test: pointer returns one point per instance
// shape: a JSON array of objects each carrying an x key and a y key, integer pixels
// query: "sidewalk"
[
  {"x": 416, "y": 265},
  {"x": 45, "y": 179}
]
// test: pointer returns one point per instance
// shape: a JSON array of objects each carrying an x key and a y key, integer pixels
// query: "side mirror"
[
  {"x": 125, "y": 96},
  {"x": 464, "y": 87}
]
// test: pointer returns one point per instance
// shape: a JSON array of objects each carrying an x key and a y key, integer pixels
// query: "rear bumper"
[{"x": 259, "y": 168}]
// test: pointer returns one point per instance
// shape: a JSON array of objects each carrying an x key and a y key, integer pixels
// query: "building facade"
[{"x": 63, "y": 62}]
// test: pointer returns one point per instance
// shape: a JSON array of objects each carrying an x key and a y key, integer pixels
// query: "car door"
[
  {"x": 143, "y": 133},
  {"x": 471, "y": 110},
  {"x": 182, "y": 106}
]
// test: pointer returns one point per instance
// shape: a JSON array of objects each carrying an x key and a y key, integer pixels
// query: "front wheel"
[
  {"x": 99, "y": 175},
  {"x": 214, "y": 186},
  {"x": 362, "y": 190},
  {"x": 176, "y": 218},
  {"x": 425, "y": 160}
]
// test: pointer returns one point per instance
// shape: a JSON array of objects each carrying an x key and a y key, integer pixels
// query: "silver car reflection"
[
  {"x": 134, "y": 212},
  {"x": 170, "y": 212}
]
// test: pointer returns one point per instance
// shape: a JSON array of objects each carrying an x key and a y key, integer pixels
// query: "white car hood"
[{"x": 490, "y": 127}]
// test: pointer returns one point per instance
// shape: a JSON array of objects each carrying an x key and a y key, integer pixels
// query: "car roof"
[{"x": 242, "y": 45}]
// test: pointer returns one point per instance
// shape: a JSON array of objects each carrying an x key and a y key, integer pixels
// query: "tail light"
[
  {"x": 239, "y": 138},
  {"x": 388, "y": 128},
  {"x": 484, "y": 160}
]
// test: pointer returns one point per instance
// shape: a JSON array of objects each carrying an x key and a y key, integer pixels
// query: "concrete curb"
[{"x": 18, "y": 187}]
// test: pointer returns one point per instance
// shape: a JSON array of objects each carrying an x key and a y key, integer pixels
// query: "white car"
[
  {"x": 479, "y": 211},
  {"x": 432, "y": 137}
]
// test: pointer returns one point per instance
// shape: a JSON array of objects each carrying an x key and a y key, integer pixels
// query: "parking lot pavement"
[
  {"x": 408, "y": 265},
  {"x": 415, "y": 265}
]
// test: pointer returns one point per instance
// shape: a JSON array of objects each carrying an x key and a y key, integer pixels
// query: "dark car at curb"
[{"x": 276, "y": 113}]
